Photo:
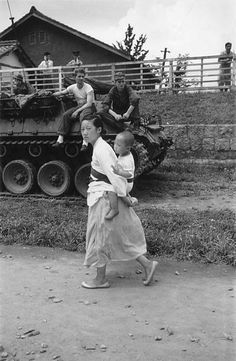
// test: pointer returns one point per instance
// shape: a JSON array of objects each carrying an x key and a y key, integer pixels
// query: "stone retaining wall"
[{"x": 202, "y": 141}]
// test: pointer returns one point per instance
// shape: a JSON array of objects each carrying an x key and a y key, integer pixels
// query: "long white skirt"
[{"x": 119, "y": 239}]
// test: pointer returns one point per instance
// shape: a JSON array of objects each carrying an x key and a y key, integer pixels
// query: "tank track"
[
  {"x": 39, "y": 142},
  {"x": 143, "y": 163}
]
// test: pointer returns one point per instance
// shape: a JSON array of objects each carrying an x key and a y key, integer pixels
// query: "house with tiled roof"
[
  {"x": 38, "y": 33},
  {"x": 13, "y": 56}
]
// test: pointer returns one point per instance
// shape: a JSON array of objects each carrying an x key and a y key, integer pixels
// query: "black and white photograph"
[{"x": 117, "y": 180}]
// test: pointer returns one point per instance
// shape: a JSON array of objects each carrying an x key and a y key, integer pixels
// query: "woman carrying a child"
[{"x": 122, "y": 237}]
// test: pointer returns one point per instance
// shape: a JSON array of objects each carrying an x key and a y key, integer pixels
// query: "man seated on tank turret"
[
  {"x": 24, "y": 92},
  {"x": 121, "y": 104},
  {"x": 22, "y": 87},
  {"x": 84, "y": 96}
]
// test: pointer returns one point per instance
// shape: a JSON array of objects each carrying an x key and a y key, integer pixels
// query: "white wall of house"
[{"x": 11, "y": 60}]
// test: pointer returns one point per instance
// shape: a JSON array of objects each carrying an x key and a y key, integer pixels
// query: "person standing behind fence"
[
  {"x": 225, "y": 59},
  {"x": 76, "y": 61},
  {"x": 45, "y": 65}
]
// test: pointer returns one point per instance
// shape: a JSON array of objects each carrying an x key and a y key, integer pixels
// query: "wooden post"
[
  {"x": 12, "y": 77},
  {"x": 201, "y": 76},
  {"x": 233, "y": 87},
  {"x": 113, "y": 72},
  {"x": 141, "y": 76},
  {"x": 170, "y": 85},
  {"x": 60, "y": 78}
]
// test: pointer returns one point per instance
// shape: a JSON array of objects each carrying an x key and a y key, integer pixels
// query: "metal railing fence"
[{"x": 170, "y": 75}]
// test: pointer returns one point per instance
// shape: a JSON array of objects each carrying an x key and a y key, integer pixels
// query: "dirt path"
[
  {"x": 170, "y": 191},
  {"x": 216, "y": 200},
  {"x": 188, "y": 314}
]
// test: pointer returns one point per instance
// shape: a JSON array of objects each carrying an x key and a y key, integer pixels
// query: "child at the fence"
[{"x": 124, "y": 167}]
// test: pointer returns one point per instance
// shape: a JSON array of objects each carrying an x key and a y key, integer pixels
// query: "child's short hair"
[
  {"x": 127, "y": 137},
  {"x": 79, "y": 71}
]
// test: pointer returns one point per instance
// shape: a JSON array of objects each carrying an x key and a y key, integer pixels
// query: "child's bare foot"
[
  {"x": 151, "y": 272},
  {"x": 134, "y": 201},
  {"x": 111, "y": 214}
]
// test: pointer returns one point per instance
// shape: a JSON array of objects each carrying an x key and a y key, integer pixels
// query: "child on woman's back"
[{"x": 125, "y": 168}]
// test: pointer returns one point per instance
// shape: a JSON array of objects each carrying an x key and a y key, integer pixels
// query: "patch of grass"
[
  {"x": 43, "y": 223},
  {"x": 207, "y": 236},
  {"x": 185, "y": 178}
]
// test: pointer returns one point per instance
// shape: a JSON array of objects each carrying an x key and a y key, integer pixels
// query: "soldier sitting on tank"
[
  {"x": 22, "y": 87},
  {"x": 23, "y": 91},
  {"x": 84, "y": 96},
  {"x": 121, "y": 105}
]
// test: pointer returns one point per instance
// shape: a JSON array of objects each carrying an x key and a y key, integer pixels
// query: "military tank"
[{"x": 29, "y": 163}]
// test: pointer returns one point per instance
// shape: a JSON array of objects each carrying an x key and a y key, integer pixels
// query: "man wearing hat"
[
  {"x": 23, "y": 91},
  {"x": 121, "y": 104},
  {"x": 76, "y": 61},
  {"x": 21, "y": 87},
  {"x": 225, "y": 60}
]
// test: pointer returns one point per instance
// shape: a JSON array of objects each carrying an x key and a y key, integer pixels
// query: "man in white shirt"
[
  {"x": 45, "y": 66},
  {"x": 84, "y": 96}
]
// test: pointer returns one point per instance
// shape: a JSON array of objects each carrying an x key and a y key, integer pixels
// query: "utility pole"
[
  {"x": 165, "y": 51},
  {"x": 14, "y": 35},
  {"x": 163, "y": 63},
  {"x": 11, "y": 17}
]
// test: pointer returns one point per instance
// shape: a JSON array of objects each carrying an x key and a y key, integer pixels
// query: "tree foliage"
[{"x": 132, "y": 46}]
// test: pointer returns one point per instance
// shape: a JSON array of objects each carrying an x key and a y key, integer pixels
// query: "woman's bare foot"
[
  {"x": 95, "y": 283},
  {"x": 150, "y": 273}
]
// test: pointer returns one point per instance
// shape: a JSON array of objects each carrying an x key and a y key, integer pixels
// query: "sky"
[{"x": 193, "y": 27}]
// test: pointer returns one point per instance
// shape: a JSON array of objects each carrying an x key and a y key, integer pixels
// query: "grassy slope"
[{"x": 197, "y": 108}]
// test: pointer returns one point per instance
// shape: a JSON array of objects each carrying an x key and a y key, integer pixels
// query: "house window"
[
  {"x": 32, "y": 38},
  {"x": 43, "y": 37}
]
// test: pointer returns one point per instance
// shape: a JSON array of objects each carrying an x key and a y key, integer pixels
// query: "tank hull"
[{"x": 30, "y": 163}]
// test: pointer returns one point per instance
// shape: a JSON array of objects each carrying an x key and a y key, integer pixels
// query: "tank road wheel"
[
  {"x": 35, "y": 150},
  {"x": 54, "y": 178},
  {"x": 1, "y": 187},
  {"x": 18, "y": 176},
  {"x": 3, "y": 151},
  {"x": 71, "y": 150},
  {"x": 82, "y": 179}
]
